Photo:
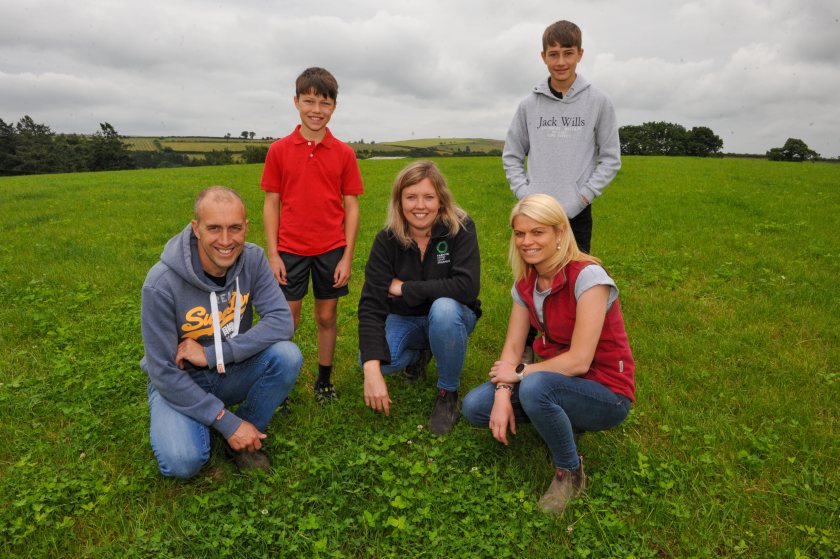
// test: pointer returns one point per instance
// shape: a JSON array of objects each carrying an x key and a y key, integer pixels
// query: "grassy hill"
[{"x": 197, "y": 146}]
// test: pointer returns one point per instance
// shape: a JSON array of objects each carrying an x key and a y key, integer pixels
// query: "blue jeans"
[
  {"x": 444, "y": 330},
  {"x": 558, "y": 406},
  {"x": 182, "y": 444}
]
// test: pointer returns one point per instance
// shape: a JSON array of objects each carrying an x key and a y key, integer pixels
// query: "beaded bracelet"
[{"x": 500, "y": 386}]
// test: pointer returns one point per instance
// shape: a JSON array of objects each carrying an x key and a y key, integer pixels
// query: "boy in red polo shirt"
[{"x": 311, "y": 213}]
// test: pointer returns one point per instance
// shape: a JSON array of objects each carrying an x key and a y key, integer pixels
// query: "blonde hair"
[
  {"x": 545, "y": 210},
  {"x": 450, "y": 214}
]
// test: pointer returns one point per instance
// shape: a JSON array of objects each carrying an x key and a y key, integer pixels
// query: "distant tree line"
[
  {"x": 28, "y": 148},
  {"x": 666, "y": 138}
]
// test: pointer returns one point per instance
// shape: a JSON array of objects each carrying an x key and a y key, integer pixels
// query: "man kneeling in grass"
[{"x": 202, "y": 353}]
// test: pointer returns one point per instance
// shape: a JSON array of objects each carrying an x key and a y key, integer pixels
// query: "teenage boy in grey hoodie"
[
  {"x": 202, "y": 351},
  {"x": 568, "y": 131}
]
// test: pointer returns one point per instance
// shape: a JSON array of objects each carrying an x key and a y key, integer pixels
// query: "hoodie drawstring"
[{"x": 217, "y": 330}]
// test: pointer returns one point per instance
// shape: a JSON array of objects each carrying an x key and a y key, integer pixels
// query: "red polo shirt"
[{"x": 312, "y": 179}]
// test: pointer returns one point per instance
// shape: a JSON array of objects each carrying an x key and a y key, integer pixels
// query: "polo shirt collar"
[{"x": 327, "y": 142}]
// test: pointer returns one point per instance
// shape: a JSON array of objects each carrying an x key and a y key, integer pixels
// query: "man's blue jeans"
[
  {"x": 444, "y": 330},
  {"x": 557, "y": 405},
  {"x": 182, "y": 444}
]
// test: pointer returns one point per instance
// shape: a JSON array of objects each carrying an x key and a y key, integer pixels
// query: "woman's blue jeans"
[
  {"x": 444, "y": 330},
  {"x": 558, "y": 406},
  {"x": 182, "y": 444}
]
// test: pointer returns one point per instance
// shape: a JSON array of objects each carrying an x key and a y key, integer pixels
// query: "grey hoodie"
[
  {"x": 571, "y": 144},
  {"x": 176, "y": 305}
]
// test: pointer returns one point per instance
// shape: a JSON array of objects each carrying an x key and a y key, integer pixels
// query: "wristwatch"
[{"x": 520, "y": 371}]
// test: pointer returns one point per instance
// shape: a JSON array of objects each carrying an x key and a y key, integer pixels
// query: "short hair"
[
  {"x": 563, "y": 33},
  {"x": 318, "y": 81},
  {"x": 449, "y": 213},
  {"x": 547, "y": 211},
  {"x": 218, "y": 194}
]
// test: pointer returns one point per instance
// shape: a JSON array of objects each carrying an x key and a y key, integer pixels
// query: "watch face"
[{"x": 520, "y": 368}]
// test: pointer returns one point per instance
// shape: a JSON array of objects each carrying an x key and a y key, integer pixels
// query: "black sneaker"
[
  {"x": 445, "y": 414},
  {"x": 417, "y": 371},
  {"x": 325, "y": 393},
  {"x": 257, "y": 460}
]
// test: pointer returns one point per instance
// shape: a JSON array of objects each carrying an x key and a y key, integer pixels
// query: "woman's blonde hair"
[
  {"x": 450, "y": 214},
  {"x": 547, "y": 211}
]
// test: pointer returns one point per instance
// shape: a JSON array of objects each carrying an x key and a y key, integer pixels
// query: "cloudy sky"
[{"x": 754, "y": 71}]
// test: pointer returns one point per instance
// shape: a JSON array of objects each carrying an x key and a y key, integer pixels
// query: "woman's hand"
[
  {"x": 503, "y": 371},
  {"x": 395, "y": 289},
  {"x": 502, "y": 416},
  {"x": 376, "y": 391}
]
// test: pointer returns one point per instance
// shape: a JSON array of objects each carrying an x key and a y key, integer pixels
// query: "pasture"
[
  {"x": 728, "y": 276},
  {"x": 196, "y": 147}
]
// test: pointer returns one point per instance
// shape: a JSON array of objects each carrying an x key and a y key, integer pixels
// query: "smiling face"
[
  {"x": 220, "y": 228},
  {"x": 420, "y": 205},
  {"x": 315, "y": 113},
  {"x": 561, "y": 63},
  {"x": 535, "y": 241}
]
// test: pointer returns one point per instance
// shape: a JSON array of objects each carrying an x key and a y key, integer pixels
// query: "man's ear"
[{"x": 194, "y": 224}]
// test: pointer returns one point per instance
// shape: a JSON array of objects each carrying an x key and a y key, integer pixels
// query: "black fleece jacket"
[{"x": 451, "y": 267}]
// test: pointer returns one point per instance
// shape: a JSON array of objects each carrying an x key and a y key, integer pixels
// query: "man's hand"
[
  {"x": 192, "y": 351},
  {"x": 246, "y": 438},
  {"x": 376, "y": 391},
  {"x": 342, "y": 273},
  {"x": 502, "y": 417}
]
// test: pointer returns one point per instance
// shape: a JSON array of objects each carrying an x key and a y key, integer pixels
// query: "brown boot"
[{"x": 566, "y": 485}]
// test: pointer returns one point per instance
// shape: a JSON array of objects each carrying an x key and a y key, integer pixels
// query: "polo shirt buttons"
[
  {"x": 309, "y": 143},
  {"x": 311, "y": 155}
]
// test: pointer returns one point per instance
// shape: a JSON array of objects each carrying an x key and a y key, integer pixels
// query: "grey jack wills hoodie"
[
  {"x": 177, "y": 305},
  {"x": 571, "y": 144}
]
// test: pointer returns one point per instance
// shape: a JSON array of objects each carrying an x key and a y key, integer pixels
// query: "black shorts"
[{"x": 322, "y": 268}]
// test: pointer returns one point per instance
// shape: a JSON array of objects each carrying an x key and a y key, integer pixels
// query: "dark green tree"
[
  {"x": 71, "y": 152},
  {"x": 216, "y": 157},
  {"x": 793, "y": 150},
  {"x": 34, "y": 148},
  {"x": 667, "y": 138},
  {"x": 254, "y": 154},
  {"x": 702, "y": 142},
  {"x": 631, "y": 141},
  {"x": 107, "y": 151},
  {"x": 8, "y": 149}
]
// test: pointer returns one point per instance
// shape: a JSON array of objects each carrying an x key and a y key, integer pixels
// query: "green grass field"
[{"x": 727, "y": 270}]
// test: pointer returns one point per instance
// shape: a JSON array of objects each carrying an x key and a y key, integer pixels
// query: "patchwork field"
[{"x": 728, "y": 276}]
